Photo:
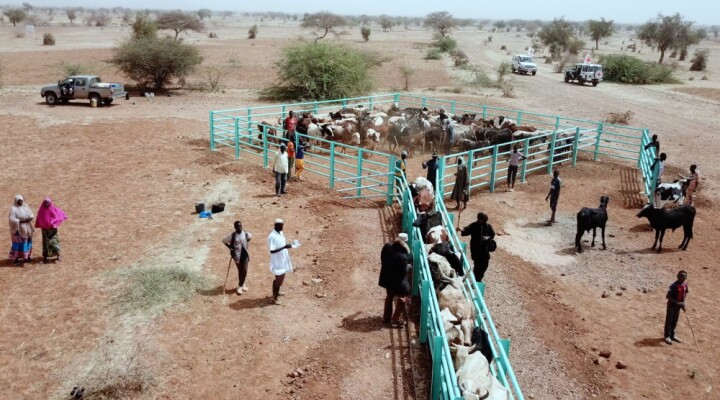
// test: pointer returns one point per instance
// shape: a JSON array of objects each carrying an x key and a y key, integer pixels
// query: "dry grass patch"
[
  {"x": 708, "y": 93},
  {"x": 622, "y": 118},
  {"x": 154, "y": 288}
]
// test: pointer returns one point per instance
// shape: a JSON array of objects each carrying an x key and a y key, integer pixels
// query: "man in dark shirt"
[
  {"x": 480, "y": 232},
  {"x": 394, "y": 268},
  {"x": 432, "y": 167},
  {"x": 654, "y": 143},
  {"x": 676, "y": 295},
  {"x": 554, "y": 195}
]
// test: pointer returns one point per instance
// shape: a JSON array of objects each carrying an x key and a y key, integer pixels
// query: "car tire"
[
  {"x": 595, "y": 82},
  {"x": 567, "y": 79},
  {"x": 51, "y": 99},
  {"x": 107, "y": 102},
  {"x": 581, "y": 81},
  {"x": 514, "y": 71},
  {"x": 64, "y": 101},
  {"x": 97, "y": 98},
  {"x": 534, "y": 72}
]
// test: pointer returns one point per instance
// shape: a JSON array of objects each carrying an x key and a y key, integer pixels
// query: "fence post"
[
  {"x": 452, "y": 106},
  {"x": 249, "y": 123},
  {"x": 576, "y": 144},
  {"x": 212, "y": 130},
  {"x": 597, "y": 141},
  {"x": 471, "y": 157},
  {"x": 265, "y": 147},
  {"x": 653, "y": 183},
  {"x": 440, "y": 179},
  {"x": 359, "y": 172},
  {"x": 526, "y": 149},
  {"x": 437, "y": 344},
  {"x": 237, "y": 137},
  {"x": 493, "y": 168},
  {"x": 315, "y": 108},
  {"x": 519, "y": 117},
  {"x": 396, "y": 99},
  {"x": 424, "y": 101},
  {"x": 331, "y": 172},
  {"x": 484, "y": 112},
  {"x": 416, "y": 261},
  {"x": 644, "y": 140},
  {"x": 370, "y": 103},
  {"x": 391, "y": 183},
  {"x": 424, "y": 310},
  {"x": 551, "y": 156},
  {"x": 557, "y": 122},
  {"x": 480, "y": 286}
]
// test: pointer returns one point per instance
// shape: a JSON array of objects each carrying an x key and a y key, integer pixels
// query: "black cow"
[
  {"x": 427, "y": 220},
  {"x": 479, "y": 338},
  {"x": 592, "y": 218},
  {"x": 445, "y": 250},
  {"x": 661, "y": 220}
]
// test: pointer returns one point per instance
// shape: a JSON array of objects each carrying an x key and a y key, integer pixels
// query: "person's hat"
[
  {"x": 434, "y": 155},
  {"x": 282, "y": 146},
  {"x": 404, "y": 153},
  {"x": 279, "y": 221},
  {"x": 403, "y": 237}
]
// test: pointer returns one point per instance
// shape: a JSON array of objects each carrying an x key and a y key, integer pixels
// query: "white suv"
[{"x": 523, "y": 64}]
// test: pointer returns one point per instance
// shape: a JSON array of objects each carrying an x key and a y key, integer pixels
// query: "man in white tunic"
[{"x": 279, "y": 258}]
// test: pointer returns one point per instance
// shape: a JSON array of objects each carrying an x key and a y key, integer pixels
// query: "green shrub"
[
  {"x": 632, "y": 70},
  {"x": 365, "y": 32},
  {"x": 321, "y": 71},
  {"x": 445, "y": 44},
  {"x": 153, "y": 63},
  {"x": 48, "y": 39},
  {"x": 503, "y": 69},
  {"x": 252, "y": 32},
  {"x": 433, "y": 54},
  {"x": 575, "y": 45},
  {"x": 65, "y": 69},
  {"x": 699, "y": 60}
]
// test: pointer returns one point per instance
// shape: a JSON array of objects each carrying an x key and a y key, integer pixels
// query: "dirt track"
[{"x": 128, "y": 175}]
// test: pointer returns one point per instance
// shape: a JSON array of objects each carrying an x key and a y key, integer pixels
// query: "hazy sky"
[{"x": 703, "y": 12}]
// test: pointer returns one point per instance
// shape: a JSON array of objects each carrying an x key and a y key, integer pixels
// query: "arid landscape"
[{"x": 128, "y": 176}]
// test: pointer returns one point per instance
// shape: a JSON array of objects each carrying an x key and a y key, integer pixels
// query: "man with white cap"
[
  {"x": 279, "y": 258},
  {"x": 394, "y": 269}
]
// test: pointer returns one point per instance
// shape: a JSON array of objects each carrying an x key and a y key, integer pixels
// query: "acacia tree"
[
  {"x": 559, "y": 32},
  {"x": 687, "y": 38},
  {"x": 600, "y": 29},
  {"x": 178, "y": 22},
  {"x": 143, "y": 27},
  {"x": 204, "y": 13},
  {"x": 386, "y": 22},
  {"x": 665, "y": 32},
  {"x": 441, "y": 21},
  {"x": 71, "y": 14},
  {"x": 15, "y": 15},
  {"x": 323, "y": 22}
]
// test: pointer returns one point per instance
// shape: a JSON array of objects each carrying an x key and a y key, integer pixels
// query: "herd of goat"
[{"x": 410, "y": 129}]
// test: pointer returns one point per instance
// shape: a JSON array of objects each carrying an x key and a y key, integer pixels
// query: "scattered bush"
[
  {"x": 699, "y": 60},
  {"x": 632, "y": 70},
  {"x": 575, "y": 46},
  {"x": 365, "y": 32},
  {"x": 460, "y": 58},
  {"x": 213, "y": 74},
  {"x": 252, "y": 32},
  {"x": 564, "y": 61},
  {"x": 153, "y": 63},
  {"x": 619, "y": 117},
  {"x": 20, "y": 35},
  {"x": 489, "y": 39},
  {"x": 143, "y": 27},
  {"x": 480, "y": 77},
  {"x": 407, "y": 71},
  {"x": 2, "y": 75},
  {"x": 433, "y": 54},
  {"x": 503, "y": 47},
  {"x": 65, "y": 69},
  {"x": 504, "y": 69},
  {"x": 445, "y": 44},
  {"x": 304, "y": 72},
  {"x": 48, "y": 39},
  {"x": 507, "y": 89}
]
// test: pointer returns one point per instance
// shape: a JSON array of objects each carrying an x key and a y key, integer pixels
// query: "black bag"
[{"x": 490, "y": 244}]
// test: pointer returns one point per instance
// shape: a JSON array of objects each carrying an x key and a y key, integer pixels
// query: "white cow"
[
  {"x": 670, "y": 195},
  {"x": 453, "y": 299},
  {"x": 474, "y": 378}
]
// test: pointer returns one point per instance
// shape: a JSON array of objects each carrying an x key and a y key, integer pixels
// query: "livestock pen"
[{"x": 362, "y": 173}]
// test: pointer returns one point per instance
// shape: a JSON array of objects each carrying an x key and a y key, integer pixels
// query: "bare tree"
[
  {"x": 323, "y": 22},
  {"x": 178, "y": 22},
  {"x": 442, "y": 22}
]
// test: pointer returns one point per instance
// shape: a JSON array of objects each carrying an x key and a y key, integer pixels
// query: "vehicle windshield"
[{"x": 525, "y": 59}]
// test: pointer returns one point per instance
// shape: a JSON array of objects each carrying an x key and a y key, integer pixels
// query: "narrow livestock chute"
[
  {"x": 592, "y": 218},
  {"x": 661, "y": 220}
]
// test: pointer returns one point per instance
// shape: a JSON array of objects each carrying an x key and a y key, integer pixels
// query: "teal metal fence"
[{"x": 361, "y": 173}]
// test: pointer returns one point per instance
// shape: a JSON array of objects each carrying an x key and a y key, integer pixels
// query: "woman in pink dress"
[{"x": 49, "y": 218}]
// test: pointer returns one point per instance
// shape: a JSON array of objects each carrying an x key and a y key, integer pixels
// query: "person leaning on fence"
[
  {"x": 676, "y": 295},
  {"x": 693, "y": 182},
  {"x": 461, "y": 190},
  {"x": 280, "y": 168},
  {"x": 432, "y": 167},
  {"x": 279, "y": 259},
  {"x": 394, "y": 271},
  {"x": 291, "y": 155},
  {"x": 238, "y": 242},
  {"x": 554, "y": 195},
  {"x": 514, "y": 160},
  {"x": 290, "y": 123},
  {"x": 654, "y": 142},
  {"x": 299, "y": 160},
  {"x": 659, "y": 161},
  {"x": 480, "y": 232}
]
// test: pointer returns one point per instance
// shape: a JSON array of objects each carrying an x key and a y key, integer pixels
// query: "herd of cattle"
[{"x": 410, "y": 129}]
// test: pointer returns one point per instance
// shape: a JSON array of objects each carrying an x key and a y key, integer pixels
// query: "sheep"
[
  {"x": 592, "y": 218},
  {"x": 662, "y": 220}
]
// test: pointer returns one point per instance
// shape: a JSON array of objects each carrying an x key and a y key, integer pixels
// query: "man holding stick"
[{"x": 238, "y": 242}]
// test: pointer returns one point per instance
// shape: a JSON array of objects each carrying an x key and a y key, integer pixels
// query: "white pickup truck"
[{"x": 82, "y": 87}]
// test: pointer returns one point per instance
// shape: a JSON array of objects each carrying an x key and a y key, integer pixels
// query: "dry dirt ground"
[{"x": 128, "y": 176}]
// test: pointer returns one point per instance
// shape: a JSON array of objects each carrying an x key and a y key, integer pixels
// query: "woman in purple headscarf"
[
  {"x": 21, "y": 230},
  {"x": 49, "y": 218}
]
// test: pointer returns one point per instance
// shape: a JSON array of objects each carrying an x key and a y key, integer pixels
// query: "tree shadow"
[
  {"x": 649, "y": 342},
  {"x": 362, "y": 325},
  {"x": 641, "y": 228},
  {"x": 248, "y": 303},
  {"x": 264, "y": 196},
  {"x": 535, "y": 225},
  {"x": 214, "y": 291},
  {"x": 569, "y": 251}
]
